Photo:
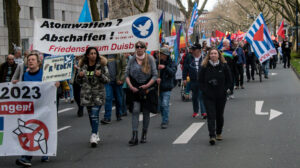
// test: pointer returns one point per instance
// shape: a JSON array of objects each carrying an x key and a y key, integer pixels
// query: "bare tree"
[
  {"x": 144, "y": 9},
  {"x": 12, "y": 16},
  {"x": 94, "y": 10}
]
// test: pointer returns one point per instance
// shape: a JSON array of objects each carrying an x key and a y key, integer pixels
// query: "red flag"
[
  {"x": 281, "y": 30},
  {"x": 219, "y": 34}
]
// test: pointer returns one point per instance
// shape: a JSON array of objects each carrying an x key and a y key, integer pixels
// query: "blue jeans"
[
  {"x": 113, "y": 90},
  {"x": 188, "y": 88},
  {"x": 265, "y": 67},
  {"x": 163, "y": 104},
  {"x": 94, "y": 117},
  {"x": 197, "y": 98}
]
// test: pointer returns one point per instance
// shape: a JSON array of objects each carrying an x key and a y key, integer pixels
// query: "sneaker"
[
  {"x": 164, "y": 125},
  {"x": 93, "y": 140},
  {"x": 212, "y": 141},
  {"x": 219, "y": 137},
  {"x": 119, "y": 118},
  {"x": 23, "y": 162},
  {"x": 231, "y": 97},
  {"x": 204, "y": 116},
  {"x": 45, "y": 159},
  {"x": 98, "y": 138},
  {"x": 236, "y": 87},
  {"x": 105, "y": 121},
  {"x": 195, "y": 115},
  {"x": 242, "y": 87}
]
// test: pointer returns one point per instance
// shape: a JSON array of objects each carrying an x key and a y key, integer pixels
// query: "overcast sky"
[{"x": 209, "y": 5}]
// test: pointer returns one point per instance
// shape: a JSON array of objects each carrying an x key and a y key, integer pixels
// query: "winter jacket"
[
  {"x": 215, "y": 81},
  {"x": 286, "y": 47},
  {"x": 4, "y": 69},
  {"x": 189, "y": 69},
  {"x": 241, "y": 59},
  {"x": 18, "y": 75},
  {"x": 167, "y": 75},
  {"x": 121, "y": 64},
  {"x": 92, "y": 88}
]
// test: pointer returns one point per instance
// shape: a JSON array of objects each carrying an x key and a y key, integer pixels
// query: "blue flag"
[
  {"x": 85, "y": 15},
  {"x": 106, "y": 9}
]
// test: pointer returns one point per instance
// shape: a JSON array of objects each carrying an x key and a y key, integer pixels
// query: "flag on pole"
[
  {"x": 173, "y": 28},
  {"x": 160, "y": 23},
  {"x": 259, "y": 37},
  {"x": 182, "y": 41},
  {"x": 194, "y": 18},
  {"x": 85, "y": 15},
  {"x": 281, "y": 30}
]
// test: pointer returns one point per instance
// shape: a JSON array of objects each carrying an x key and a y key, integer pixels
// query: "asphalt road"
[{"x": 250, "y": 140}]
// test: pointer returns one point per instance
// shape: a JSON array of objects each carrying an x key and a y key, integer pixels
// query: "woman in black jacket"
[{"x": 215, "y": 81}]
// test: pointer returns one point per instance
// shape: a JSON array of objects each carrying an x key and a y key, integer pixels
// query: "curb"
[{"x": 297, "y": 74}]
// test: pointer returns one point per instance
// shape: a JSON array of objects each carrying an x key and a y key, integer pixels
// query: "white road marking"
[
  {"x": 258, "y": 107},
  {"x": 141, "y": 116},
  {"x": 274, "y": 114},
  {"x": 187, "y": 135},
  {"x": 64, "y": 110},
  {"x": 63, "y": 128}
]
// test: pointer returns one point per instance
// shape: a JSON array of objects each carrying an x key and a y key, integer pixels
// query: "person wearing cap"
[
  {"x": 166, "y": 81},
  {"x": 192, "y": 68}
]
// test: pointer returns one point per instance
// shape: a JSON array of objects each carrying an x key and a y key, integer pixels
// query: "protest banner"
[
  {"x": 28, "y": 119},
  {"x": 58, "y": 68},
  {"x": 109, "y": 37}
]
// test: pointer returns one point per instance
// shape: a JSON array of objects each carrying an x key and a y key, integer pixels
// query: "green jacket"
[{"x": 121, "y": 67}]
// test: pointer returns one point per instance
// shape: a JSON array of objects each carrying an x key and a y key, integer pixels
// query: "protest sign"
[
  {"x": 58, "y": 68},
  {"x": 28, "y": 119},
  {"x": 109, "y": 37}
]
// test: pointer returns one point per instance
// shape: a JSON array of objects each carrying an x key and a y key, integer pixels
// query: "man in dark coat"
[{"x": 7, "y": 69}]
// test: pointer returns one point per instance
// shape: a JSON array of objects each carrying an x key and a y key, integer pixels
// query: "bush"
[{"x": 295, "y": 61}]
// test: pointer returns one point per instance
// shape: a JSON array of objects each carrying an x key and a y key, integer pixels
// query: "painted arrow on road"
[{"x": 273, "y": 113}]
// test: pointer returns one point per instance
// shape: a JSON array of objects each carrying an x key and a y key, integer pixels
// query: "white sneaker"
[
  {"x": 93, "y": 140},
  {"x": 98, "y": 138},
  {"x": 232, "y": 96}
]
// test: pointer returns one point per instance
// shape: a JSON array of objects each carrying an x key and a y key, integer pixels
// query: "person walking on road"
[
  {"x": 166, "y": 81},
  {"x": 250, "y": 61},
  {"x": 116, "y": 67},
  {"x": 192, "y": 68},
  {"x": 240, "y": 64},
  {"x": 215, "y": 81},
  {"x": 141, "y": 74},
  {"x": 286, "y": 49},
  {"x": 34, "y": 74},
  {"x": 93, "y": 75}
]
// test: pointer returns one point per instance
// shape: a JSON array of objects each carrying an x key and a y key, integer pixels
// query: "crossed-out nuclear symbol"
[{"x": 33, "y": 135}]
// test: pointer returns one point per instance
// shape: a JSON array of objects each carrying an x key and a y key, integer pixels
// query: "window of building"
[
  {"x": 25, "y": 45},
  {"x": 48, "y": 9},
  {"x": 31, "y": 13},
  {"x": 4, "y": 13},
  {"x": 63, "y": 15}
]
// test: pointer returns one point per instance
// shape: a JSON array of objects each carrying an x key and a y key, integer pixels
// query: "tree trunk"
[
  {"x": 94, "y": 10},
  {"x": 13, "y": 25}
]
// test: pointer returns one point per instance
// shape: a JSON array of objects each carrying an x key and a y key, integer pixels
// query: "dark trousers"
[
  {"x": 240, "y": 75},
  {"x": 77, "y": 90},
  {"x": 248, "y": 72},
  {"x": 273, "y": 62},
  {"x": 215, "y": 115},
  {"x": 197, "y": 97},
  {"x": 286, "y": 59}
]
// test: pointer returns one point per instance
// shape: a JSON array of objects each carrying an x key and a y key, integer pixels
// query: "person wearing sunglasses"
[{"x": 141, "y": 74}]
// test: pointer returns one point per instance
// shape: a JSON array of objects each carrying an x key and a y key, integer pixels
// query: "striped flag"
[
  {"x": 160, "y": 23},
  {"x": 182, "y": 41},
  {"x": 173, "y": 28},
  {"x": 193, "y": 19},
  {"x": 259, "y": 37}
]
